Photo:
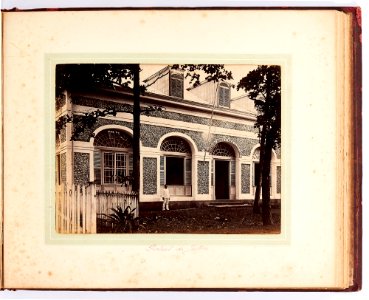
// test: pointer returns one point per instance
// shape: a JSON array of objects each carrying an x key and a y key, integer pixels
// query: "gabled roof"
[
  {"x": 205, "y": 82},
  {"x": 157, "y": 74},
  {"x": 240, "y": 97}
]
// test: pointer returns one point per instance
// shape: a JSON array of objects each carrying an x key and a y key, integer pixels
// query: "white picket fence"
[
  {"x": 78, "y": 207},
  {"x": 106, "y": 200}
]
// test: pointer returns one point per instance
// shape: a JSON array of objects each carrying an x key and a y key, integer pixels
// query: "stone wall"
[
  {"x": 81, "y": 168},
  {"x": 149, "y": 176},
  {"x": 63, "y": 167},
  {"x": 279, "y": 179},
  {"x": 203, "y": 177},
  {"x": 245, "y": 178}
]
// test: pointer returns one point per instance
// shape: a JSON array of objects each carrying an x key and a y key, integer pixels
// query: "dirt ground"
[{"x": 230, "y": 220}]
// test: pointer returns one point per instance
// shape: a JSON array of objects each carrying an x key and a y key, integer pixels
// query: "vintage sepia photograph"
[
  {"x": 182, "y": 148},
  {"x": 145, "y": 143}
]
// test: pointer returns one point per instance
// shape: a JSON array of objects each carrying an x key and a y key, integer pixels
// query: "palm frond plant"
[{"x": 122, "y": 220}]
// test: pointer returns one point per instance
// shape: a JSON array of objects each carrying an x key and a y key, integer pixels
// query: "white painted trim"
[
  {"x": 237, "y": 151},
  {"x": 253, "y": 150},
  {"x": 188, "y": 139},
  {"x": 112, "y": 126}
]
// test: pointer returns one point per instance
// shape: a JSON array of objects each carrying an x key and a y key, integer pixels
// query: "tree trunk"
[
  {"x": 136, "y": 129},
  {"x": 266, "y": 210},
  {"x": 256, "y": 208}
]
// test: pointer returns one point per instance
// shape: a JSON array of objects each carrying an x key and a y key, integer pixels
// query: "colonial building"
[{"x": 203, "y": 145}]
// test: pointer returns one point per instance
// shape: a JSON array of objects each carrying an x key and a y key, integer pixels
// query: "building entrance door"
[{"x": 221, "y": 179}]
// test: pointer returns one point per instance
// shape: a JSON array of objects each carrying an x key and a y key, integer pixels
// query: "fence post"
[
  {"x": 73, "y": 206},
  {"x": 62, "y": 199},
  {"x": 57, "y": 209},
  {"x": 83, "y": 209},
  {"x": 69, "y": 211},
  {"x": 60, "y": 210},
  {"x": 83, "y": 203},
  {"x": 87, "y": 209},
  {"x": 93, "y": 208},
  {"x": 65, "y": 208},
  {"x": 78, "y": 209}
]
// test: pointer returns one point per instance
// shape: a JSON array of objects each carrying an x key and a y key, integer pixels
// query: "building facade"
[{"x": 203, "y": 144}]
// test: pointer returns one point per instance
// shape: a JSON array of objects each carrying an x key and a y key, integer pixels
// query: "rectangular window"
[
  {"x": 120, "y": 166},
  {"x": 115, "y": 166},
  {"x": 224, "y": 96},
  {"x": 176, "y": 85},
  {"x": 174, "y": 172},
  {"x": 108, "y": 167}
]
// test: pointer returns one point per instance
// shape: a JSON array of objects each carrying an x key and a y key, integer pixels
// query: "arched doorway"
[
  {"x": 176, "y": 166},
  {"x": 113, "y": 159},
  {"x": 223, "y": 170}
]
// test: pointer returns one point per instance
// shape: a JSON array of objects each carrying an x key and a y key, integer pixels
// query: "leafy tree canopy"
[
  {"x": 71, "y": 76},
  {"x": 263, "y": 86},
  {"x": 77, "y": 76},
  {"x": 213, "y": 72}
]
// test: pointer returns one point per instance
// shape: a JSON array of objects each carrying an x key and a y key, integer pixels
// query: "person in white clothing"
[{"x": 166, "y": 198}]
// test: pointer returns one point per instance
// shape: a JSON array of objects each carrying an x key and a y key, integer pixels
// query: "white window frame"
[{"x": 128, "y": 168}]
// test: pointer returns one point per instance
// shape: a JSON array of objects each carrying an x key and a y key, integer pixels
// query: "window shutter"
[
  {"x": 176, "y": 85},
  {"x": 224, "y": 96},
  {"x": 228, "y": 97},
  {"x": 97, "y": 167},
  {"x": 233, "y": 173},
  {"x": 162, "y": 170},
  {"x": 212, "y": 173},
  {"x": 130, "y": 164},
  {"x": 188, "y": 171}
]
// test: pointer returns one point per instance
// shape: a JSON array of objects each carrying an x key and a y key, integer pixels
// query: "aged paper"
[{"x": 305, "y": 255}]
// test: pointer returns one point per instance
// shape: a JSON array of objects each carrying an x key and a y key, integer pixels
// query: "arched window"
[
  {"x": 112, "y": 157},
  {"x": 223, "y": 149},
  {"x": 256, "y": 154},
  {"x": 175, "y": 144},
  {"x": 113, "y": 138},
  {"x": 176, "y": 166}
]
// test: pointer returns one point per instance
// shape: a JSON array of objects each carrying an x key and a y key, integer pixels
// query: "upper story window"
[
  {"x": 176, "y": 84},
  {"x": 224, "y": 95}
]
